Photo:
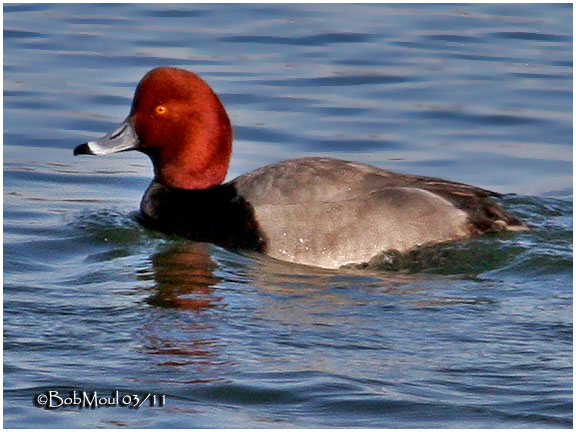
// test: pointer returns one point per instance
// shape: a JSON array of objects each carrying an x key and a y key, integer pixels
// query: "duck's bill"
[{"x": 122, "y": 139}]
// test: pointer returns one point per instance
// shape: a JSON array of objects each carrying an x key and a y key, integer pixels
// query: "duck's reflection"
[
  {"x": 184, "y": 275},
  {"x": 206, "y": 298},
  {"x": 183, "y": 337}
]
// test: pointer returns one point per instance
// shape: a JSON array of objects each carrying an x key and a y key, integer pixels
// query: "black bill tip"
[{"x": 82, "y": 149}]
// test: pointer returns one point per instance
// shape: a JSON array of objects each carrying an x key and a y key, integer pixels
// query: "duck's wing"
[
  {"x": 313, "y": 181},
  {"x": 309, "y": 180},
  {"x": 327, "y": 179},
  {"x": 484, "y": 214},
  {"x": 332, "y": 234}
]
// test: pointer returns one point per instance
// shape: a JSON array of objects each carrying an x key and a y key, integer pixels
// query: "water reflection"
[
  {"x": 184, "y": 280},
  {"x": 184, "y": 275}
]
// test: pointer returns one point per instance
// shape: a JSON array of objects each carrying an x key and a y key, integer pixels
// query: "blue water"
[{"x": 471, "y": 334}]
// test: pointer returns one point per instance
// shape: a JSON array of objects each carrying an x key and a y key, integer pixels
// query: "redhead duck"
[{"x": 316, "y": 211}]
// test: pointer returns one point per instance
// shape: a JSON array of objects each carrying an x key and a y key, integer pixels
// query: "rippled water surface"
[{"x": 472, "y": 334}]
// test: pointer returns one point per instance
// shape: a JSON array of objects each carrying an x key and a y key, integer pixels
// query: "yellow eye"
[{"x": 161, "y": 109}]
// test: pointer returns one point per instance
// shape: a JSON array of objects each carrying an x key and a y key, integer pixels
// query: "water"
[{"x": 472, "y": 334}]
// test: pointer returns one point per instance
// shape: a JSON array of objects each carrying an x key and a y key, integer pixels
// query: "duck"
[{"x": 315, "y": 211}]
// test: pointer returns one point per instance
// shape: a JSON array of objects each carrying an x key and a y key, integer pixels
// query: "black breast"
[{"x": 216, "y": 215}]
